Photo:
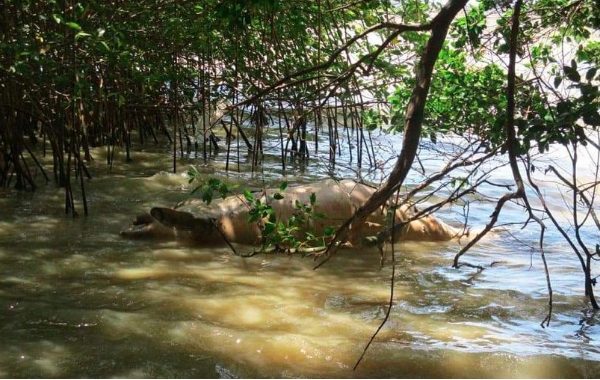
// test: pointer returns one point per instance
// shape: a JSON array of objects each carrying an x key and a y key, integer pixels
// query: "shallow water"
[{"x": 79, "y": 301}]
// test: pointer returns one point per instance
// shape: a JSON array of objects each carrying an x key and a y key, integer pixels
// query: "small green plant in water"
[
  {"x": 296, "y": 234},
  {"x": 208, "y": 189}
]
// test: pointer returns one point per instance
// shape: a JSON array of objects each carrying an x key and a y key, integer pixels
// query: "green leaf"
[
  {"x": 277, "y": 196},
  {"x": 328, "y": 231},
  {"x": 313, "y": 198},
  {"x": 207, "y": 197},
  {"x": 105, "y": 45},
  {"x": 249, "y": 196},
  {"x": 269, "y": 228},
  {"x": 73, "y": 25},
  {"x": 81, "y": 35},
  {"x": 224, "y": 190},
  {"x": 283, "y": 186}
]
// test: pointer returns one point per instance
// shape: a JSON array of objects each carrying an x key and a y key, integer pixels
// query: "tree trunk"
[{"x": 414, "y": 117}]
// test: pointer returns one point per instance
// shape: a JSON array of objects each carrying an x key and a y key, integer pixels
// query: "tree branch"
[{"x": 413, "y": 121}]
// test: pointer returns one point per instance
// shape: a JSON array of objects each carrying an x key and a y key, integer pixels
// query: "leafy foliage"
[
  {"x": 293, "y": 234},
  {"x": 467, "y": 95},
  {"x": 208, "y": 188}
]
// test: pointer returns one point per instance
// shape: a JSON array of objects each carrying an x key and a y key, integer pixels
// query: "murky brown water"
[{"x": 79, "y": 301}]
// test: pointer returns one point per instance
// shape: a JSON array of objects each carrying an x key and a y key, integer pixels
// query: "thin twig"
[{"x": 392, "y": 283}]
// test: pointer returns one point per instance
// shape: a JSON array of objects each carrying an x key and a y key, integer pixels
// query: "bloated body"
[{"x": 228, "y": 219}]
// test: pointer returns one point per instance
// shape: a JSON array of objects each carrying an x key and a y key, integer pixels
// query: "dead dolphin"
[{"x": 229, "y": 218}]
